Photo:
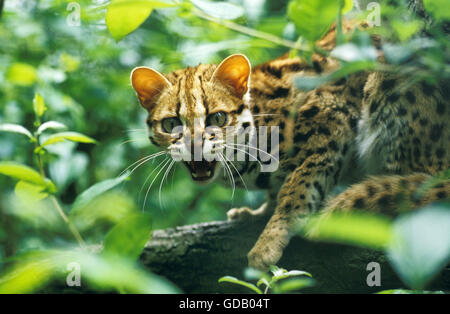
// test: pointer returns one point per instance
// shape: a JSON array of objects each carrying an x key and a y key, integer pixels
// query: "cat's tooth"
[
  {"x": 194, "y": 175},
  {"x": 208, "y": 173}
]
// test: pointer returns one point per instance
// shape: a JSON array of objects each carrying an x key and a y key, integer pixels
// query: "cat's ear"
[
  {"x": 234, "y": 71},
  {"x": 148, "y": 85}
]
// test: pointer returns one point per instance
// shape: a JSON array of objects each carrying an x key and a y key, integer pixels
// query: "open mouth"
[{"x": 201, "y": 170}]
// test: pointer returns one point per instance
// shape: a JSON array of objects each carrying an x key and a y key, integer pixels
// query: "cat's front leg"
[
  {"x": 245, "y": 213},
  {"x": 302, "y": 193}
]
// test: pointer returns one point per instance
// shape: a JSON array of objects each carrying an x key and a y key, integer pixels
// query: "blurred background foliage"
[
  {"x": 81, "y": 68},
  {"x": 83, "y": 75}
]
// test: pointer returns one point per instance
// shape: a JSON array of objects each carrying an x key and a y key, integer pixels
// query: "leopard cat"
[{"x": 381, "y": 132}]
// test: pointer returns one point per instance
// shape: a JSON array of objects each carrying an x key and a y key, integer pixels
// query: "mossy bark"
[{"x": 194, "y": 257}]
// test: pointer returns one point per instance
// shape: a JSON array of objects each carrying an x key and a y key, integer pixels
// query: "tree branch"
[{"x": 194, "y": 257}]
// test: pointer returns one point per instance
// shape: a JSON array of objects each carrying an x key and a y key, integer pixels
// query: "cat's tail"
[{"x": 392, "y": 195}]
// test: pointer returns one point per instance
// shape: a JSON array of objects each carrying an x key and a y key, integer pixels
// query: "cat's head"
[{"x": 193, "y": 110}]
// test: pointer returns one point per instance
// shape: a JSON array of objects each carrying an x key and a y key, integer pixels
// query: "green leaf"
[
  {"x": 396, "y": 54},
  {"x": 70, "y": 136},
  {"x": 220, "y": 9},
  {"x": 15, "y": 128},
  {"x": 128, "y": 237},
  {"x": 291, "y": 273},
  {"x": 102, "y": 213},
  {"x": 22, "y": 74},
  {"x": 253, "y": 274},
  {"x": 406, "y": 29},
  {"x": 294, "y": 284},
  {"x": 29, "y": 191},
  {"x": 29, "y": 206},
  {"x": 263, "y": 281},
  {"x": 21, "y": 172},
  {"x": 125, "y": 16},
  {"x": 281, "y": 273},
  {"x": 256, "y": 274},
  {"x": 68, "y": 62},
  {"x": 312, "y": 18},
  {"x": 276, "y": 271},
  {"x": 437, "y": 8},
  {"x": 33, "y": 270},
  {"x": 236, "y": 281},
  {"x": 26, "y": 174},
  {"x": 348, "y": 5},
  {"x": 356, "y": 228},
  {"x": 405, "y": 291},
  {"x": 52, "y": 125},
  {"x": 39, "y": 106},
  {"x": 350, "y": 53},
  {"x": 307, "y": 83},
  {"x": 106, "y": 272},
  {"x": 421, "y": 245},
  {"x": 96, "y": 190},
  {"x": 352, "y": 67}
]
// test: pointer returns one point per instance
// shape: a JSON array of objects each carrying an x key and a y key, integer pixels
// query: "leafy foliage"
[
  {"x": 58, "y": 190},
  {"x": 422, "y": 245},
  {"x": 313, "y": 18},
  {"x": 281, "y": 281},
  {"x": 123, "y": 17},
  {"x": 416, "y": 244},
  {"x": 122, "y": 244},
  {"x": 36, "y": 268},
  {"x": 363, "y": 229}
]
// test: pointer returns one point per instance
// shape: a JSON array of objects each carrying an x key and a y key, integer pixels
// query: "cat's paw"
[
  {"x": 245, "y": 213},
  {"x": 239, "y": 214},
  {"x": 262, "y": 256}
]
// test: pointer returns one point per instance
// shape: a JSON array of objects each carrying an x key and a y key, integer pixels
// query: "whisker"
[
  {"x": 230, "y": 174},
  {"x": 128, "y": 141},
  {"x": 245, "y": 153},
  {"x": 237, "y": 171},
  {"x": 162, "y": 181},
  {"x": 227, "y": 170},
  {"x": 147, "y": 158},
  {"x": 150, "y": 175},
  {"x": 173, "y": 175},
  {"x": 258, "y": 149},
  {"x": 222, "y": 161},
  {"x": 153, "y": 181}
]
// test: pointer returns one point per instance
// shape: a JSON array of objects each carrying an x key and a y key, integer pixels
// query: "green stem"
[
  {"x": 39, "y": 161},
  {"x": 250, "y": 31},
  {"x": 58, "y": 207},
  {"x": 72, "y": 228}
]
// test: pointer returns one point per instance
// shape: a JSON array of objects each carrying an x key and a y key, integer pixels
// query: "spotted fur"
[{"x": 385, "y": 132}]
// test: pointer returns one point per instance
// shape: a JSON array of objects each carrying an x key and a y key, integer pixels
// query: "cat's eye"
[
  {"x": 168, "y": 124},
  {"x": 217, "y": 119}
]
